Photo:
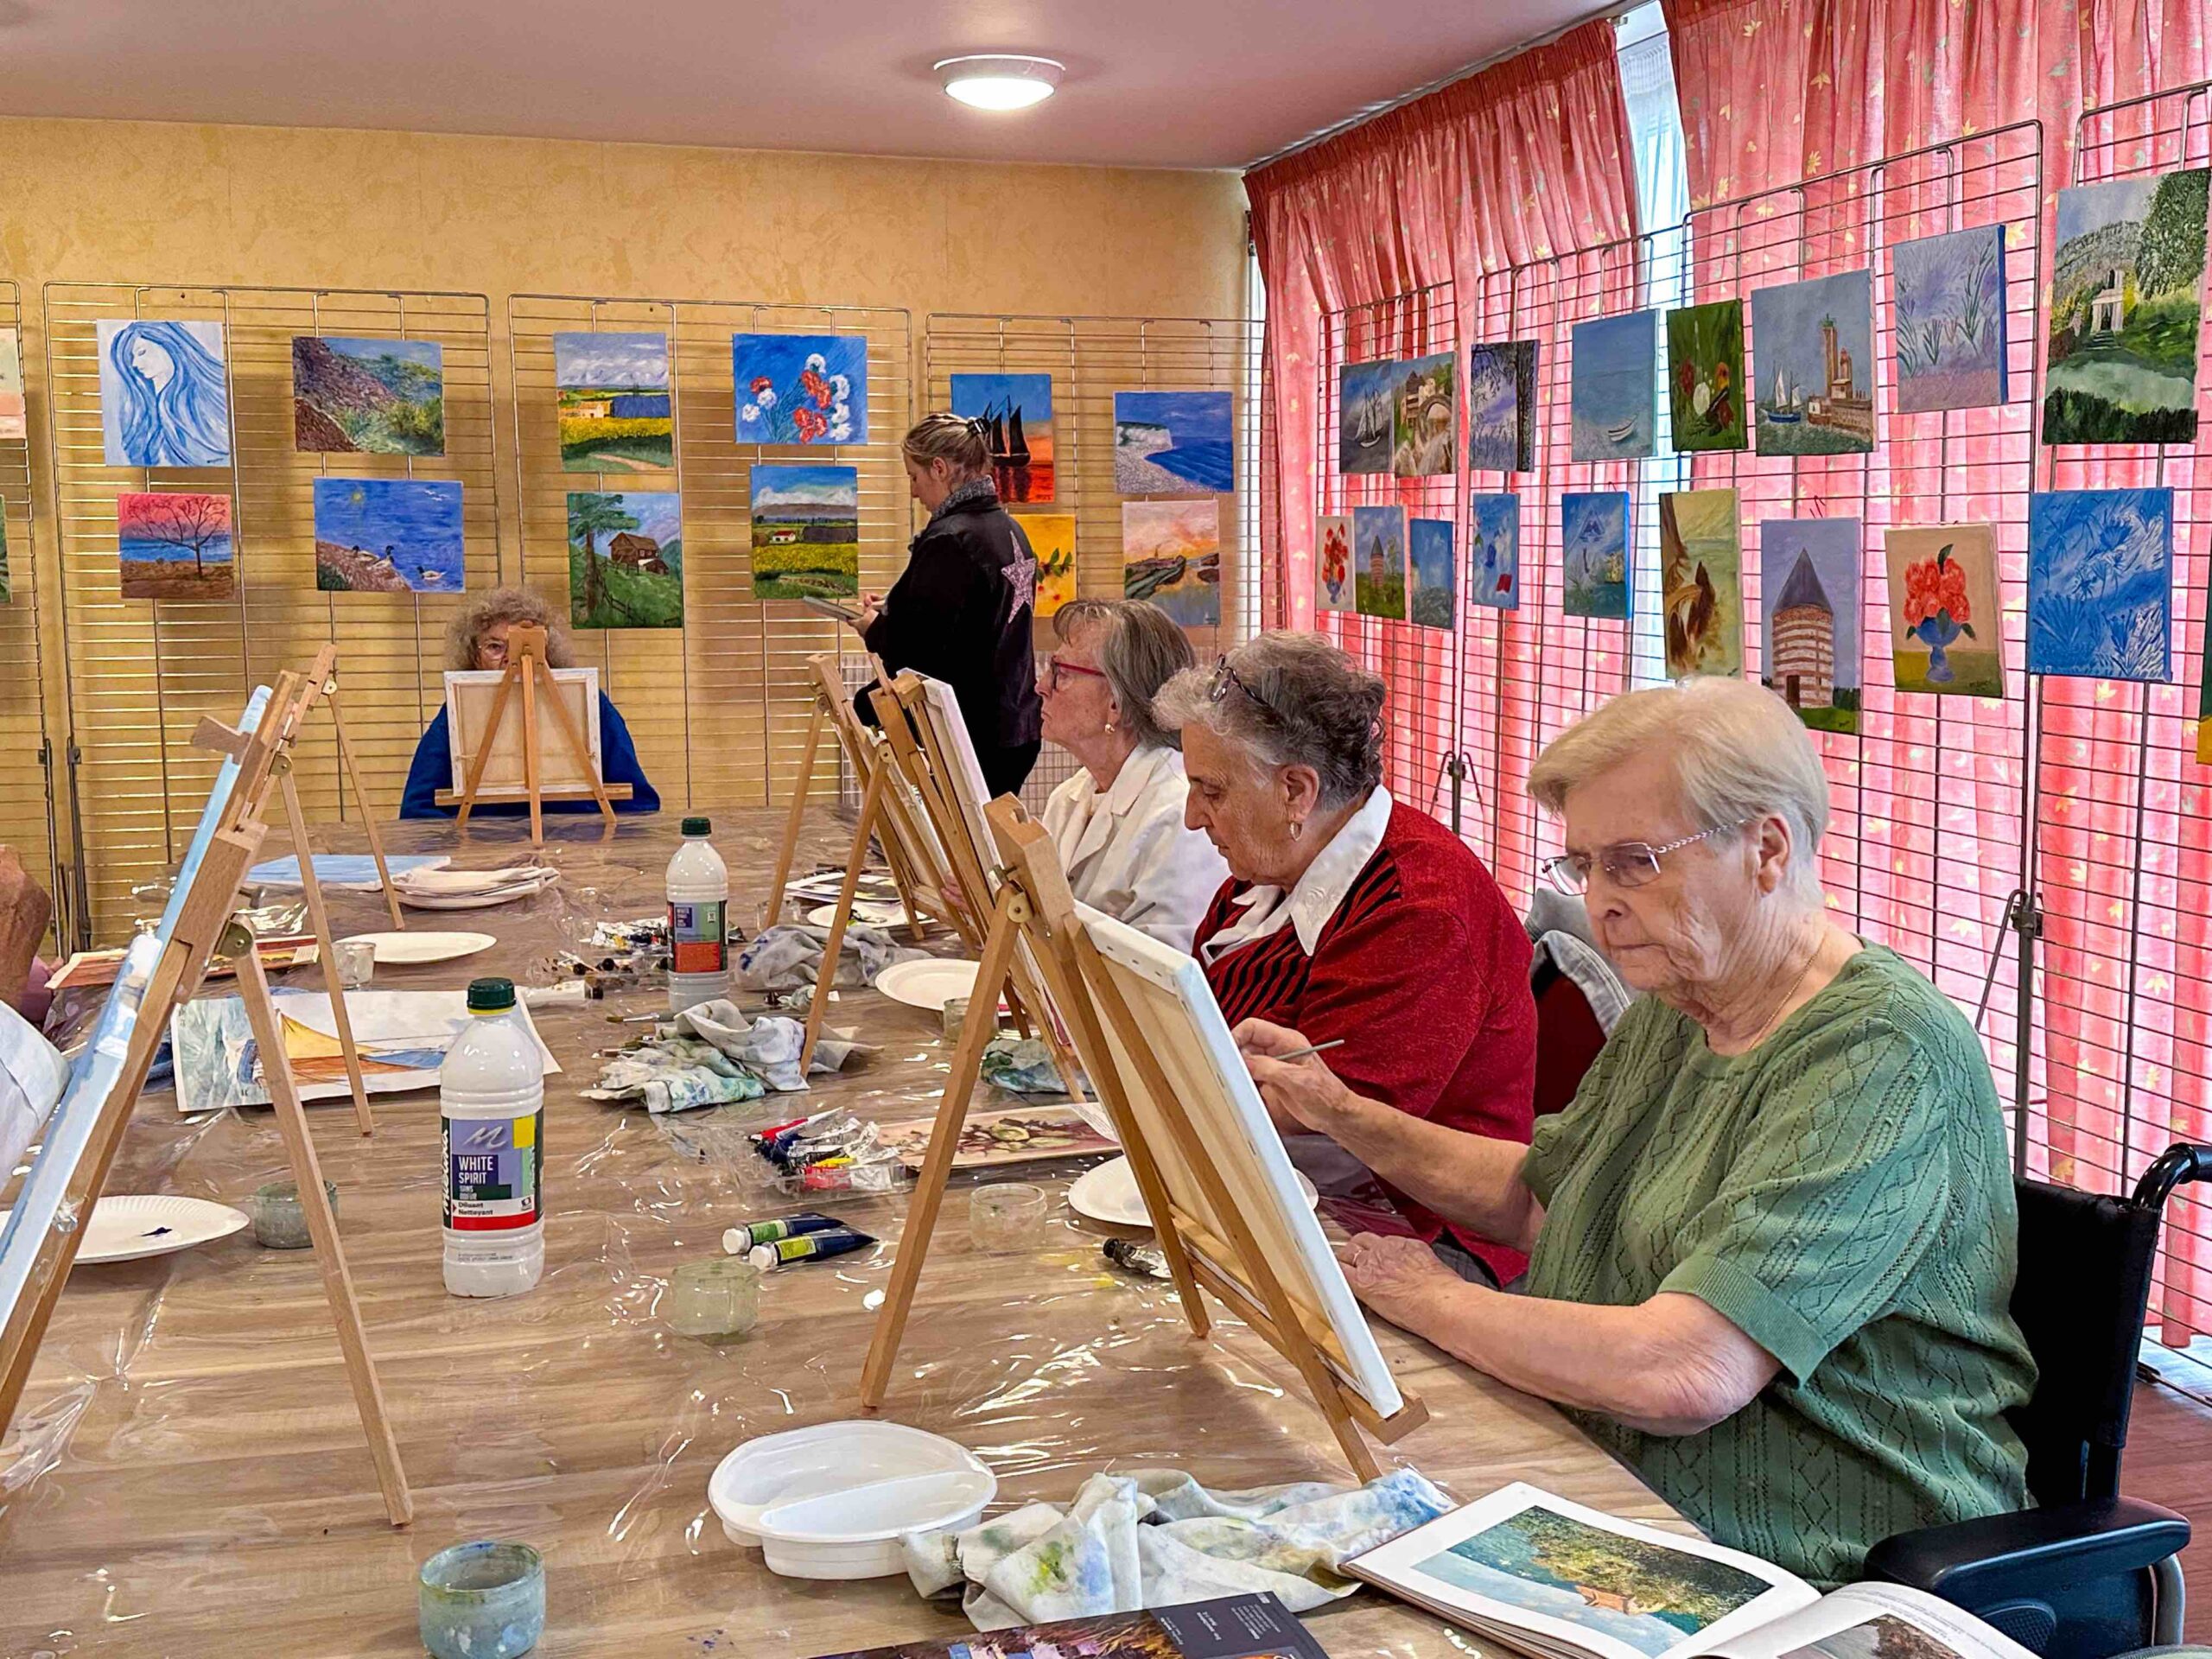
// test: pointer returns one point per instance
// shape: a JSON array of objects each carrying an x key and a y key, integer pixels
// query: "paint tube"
[
  {"x": 743, "y": 1236},
  {"x": 807, "y": 1248}
]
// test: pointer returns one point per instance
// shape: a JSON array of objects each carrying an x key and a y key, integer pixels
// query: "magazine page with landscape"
[
  {"x": 1556, "y": 1579},
  {"x": 1874, "y": 1621}
]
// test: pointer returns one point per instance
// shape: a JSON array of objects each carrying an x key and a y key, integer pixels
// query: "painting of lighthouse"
[
  {"x": 1809, "y": 593},
  {"x": 1813, "y": 344}
]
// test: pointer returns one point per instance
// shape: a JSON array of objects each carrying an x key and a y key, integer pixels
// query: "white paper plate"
[
  {"x": 128, "y": 1227},
  {"x": 831, "y": 1502},
  {"x": 872, "y": 915},
  {"x": 474, "y": 900},
  {"x": 404, "y": 950},
  {"x": 929, "y": 983},
  {"x": 1109, "y": 1194}
]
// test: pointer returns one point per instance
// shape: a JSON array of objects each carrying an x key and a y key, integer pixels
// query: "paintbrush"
[{"x": 1301, "y": 1053}]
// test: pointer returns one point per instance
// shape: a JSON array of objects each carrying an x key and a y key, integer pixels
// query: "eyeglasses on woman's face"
[
  {"x": 1058, "y": 673},
  {"x": 1626, "y": 863}
]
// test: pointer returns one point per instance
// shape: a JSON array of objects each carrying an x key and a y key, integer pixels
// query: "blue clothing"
[{"x": 432, "y": 771}]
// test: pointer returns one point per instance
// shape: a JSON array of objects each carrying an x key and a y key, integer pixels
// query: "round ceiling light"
[{"x": 999, "y": 81}]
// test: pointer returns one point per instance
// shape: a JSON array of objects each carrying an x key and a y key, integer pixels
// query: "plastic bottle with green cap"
[
  {"x": 698, "y": 927},
  {"x": 492, "y": 1107}
]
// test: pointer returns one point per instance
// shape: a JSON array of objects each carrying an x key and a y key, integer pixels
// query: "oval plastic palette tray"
[{"x": 832, "y": 1502}]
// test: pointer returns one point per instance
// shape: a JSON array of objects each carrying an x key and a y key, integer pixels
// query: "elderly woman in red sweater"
[{"x": 1351, "y": 916}]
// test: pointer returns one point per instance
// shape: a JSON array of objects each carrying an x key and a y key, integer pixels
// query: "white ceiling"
[{"x": 1167, "y": 83}]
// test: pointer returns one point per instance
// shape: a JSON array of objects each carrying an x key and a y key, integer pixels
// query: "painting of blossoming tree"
[{"x": 800, "y": 388}]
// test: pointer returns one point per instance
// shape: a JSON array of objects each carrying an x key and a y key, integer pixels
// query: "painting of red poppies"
[
  {"x": 1705, "y": 375},
  {"x": 800, "y": 388}
]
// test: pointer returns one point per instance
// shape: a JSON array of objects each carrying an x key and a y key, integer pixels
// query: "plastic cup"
[
  {"x": 716, "y": 1299},
  {"x": 484, "y": 1600},
  {"x": 1006, "y": 1216},
  {"x": 356, "y": 961},
  {"x": 279, "y": 1221},
  {"x": 955, "y": 1016}
]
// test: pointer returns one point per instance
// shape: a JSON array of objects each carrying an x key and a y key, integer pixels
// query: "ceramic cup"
[
  {"x": 716, "y": 1300},
  {"x": 279, "y": 1223},
  {"x": 357, "y": 962},
  {"x": 1006, "y": 1216},
  {"x": 484, "y": 1600}
]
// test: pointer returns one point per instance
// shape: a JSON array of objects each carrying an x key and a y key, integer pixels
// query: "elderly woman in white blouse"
[{"x": 1118, "y": 821}]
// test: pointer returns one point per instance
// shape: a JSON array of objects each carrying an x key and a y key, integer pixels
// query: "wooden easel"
[
  {"x": 833, "y": 707},
  {"x": 1034, "y": 897},
  {"x": 202, "y": 927},
  {"x": 526, "y": 672},
  {"x": 322, "y": 686}
]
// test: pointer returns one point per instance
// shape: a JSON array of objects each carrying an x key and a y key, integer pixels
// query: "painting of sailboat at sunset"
[
  {"x": 402, "y": 1036},
  {"x": 1016, "y": 410}
]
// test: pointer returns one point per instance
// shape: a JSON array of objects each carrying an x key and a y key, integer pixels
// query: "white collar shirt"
[{"x": 1319, "y": 892}]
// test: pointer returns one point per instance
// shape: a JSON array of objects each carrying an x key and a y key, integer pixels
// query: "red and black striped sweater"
[{"x": 1423, "y": 971}]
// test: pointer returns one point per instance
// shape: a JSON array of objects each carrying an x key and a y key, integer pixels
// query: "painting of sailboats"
[
  {"x": 402, "y": 1036},
  {"x": 1365, "y": 426},
  {"x": 1016, "y": 410}
]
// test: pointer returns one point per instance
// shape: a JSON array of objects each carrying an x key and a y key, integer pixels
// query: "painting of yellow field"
[
  {"x": 1171, "y": 555},
  {"x": 615, "y": 412}
]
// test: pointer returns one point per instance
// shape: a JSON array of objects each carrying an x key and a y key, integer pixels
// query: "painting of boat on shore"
[
  {"x": 1364, "y": 419},
  {"x": 1705, "y": 376},
  {"x": 1949, "y": 295},
  {"x": 626, "y": 559},
  {"x": 1016, "y": 410},
  {"x": 1701, "y": 582},
  {"x": 1594, "y": 553},
  {"x": 1378, "y": 541},
  {"x": 1614, "y": 395},
  {"x": 174, "y": 545},
  {"x": 2124, "y": 311},
  {"x": 368, "y": 397},
  {"x": 1172, "y": 443},
  {"x": 1502, "y": 407},
  {"x": 2101, "y": 594},
  {"x": 388, "y": 535},
  {"x": 1494, "y": 561},
  {"x": 1424, "y": 409},
  {"x": 1810, "y": 591},
  {"x": 1814, "y": 346},
  {"x": 1171, "y": 555},
  {"x": 615, "y": 412},
  {"x": 806, "y": 532}
]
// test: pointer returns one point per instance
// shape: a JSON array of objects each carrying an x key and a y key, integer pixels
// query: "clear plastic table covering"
[{"x": 187, "y": 1475}]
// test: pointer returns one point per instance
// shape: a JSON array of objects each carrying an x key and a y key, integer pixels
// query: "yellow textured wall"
[{"x": 97, "y": 201}]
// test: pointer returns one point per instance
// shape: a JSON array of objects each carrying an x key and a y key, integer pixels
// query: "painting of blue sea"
[
  {"x": 1494, "y": 561},
  {"x": 1594, "y": 553},
  {"x": 164, "y": 394},
  {"x": 387, "y": 536},
  {"x": 800, "y": 388},
  {"x": 1430, "y": 590},
  {"x": 1615, "y": 395},
  {"x": 1364, "y": 417},
  {"x": 1813, "y": 350},
  {"x": 368, "y": 397},
  {"x": 2100, "y": 584},
  {"x": 1172, "y": 443},
  {"x": 1949, "y": 297}
]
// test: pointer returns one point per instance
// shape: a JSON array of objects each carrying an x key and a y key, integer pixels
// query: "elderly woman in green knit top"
[{"x": 1772, "y": 1239}]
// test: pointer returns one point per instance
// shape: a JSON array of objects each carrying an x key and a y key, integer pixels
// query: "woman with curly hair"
[{"x": 478, "y": 640}]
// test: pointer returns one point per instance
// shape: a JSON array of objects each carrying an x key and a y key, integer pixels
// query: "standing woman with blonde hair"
[{"x": 961, "y": 611}]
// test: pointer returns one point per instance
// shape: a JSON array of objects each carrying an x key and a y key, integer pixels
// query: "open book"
[{"x": 1560, "y": 1581}]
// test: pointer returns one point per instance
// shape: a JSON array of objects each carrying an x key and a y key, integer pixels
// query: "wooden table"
[{"x": 189, "y": 1477}]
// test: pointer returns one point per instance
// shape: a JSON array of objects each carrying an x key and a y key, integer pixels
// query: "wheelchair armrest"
[{"x": 1968, "y": 1560}]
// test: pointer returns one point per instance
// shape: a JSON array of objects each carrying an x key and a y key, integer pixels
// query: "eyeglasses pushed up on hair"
[
  {"x": 1226, "y": 677},
  {"x": 1626, "y": 863}
]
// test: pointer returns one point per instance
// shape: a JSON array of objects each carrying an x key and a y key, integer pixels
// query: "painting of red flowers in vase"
[{"x": 1946, "y": 631}]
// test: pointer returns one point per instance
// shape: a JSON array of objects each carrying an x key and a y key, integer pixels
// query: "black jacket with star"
[{"x": 961, "y": 614}]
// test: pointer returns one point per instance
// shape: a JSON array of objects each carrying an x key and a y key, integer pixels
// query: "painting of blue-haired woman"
[{"x": 164, "y": 400}]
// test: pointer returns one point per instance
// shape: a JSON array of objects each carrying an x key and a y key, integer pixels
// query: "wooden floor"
[{"x": 2170, "y": 1461}]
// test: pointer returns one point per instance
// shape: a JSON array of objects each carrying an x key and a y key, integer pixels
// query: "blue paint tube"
[
  {"x": 747, "y": 1233},
  {"x": 807, "y": 1248}
]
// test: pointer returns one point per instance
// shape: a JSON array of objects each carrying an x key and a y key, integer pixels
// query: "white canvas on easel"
[{"x": 469, "y": 694}]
